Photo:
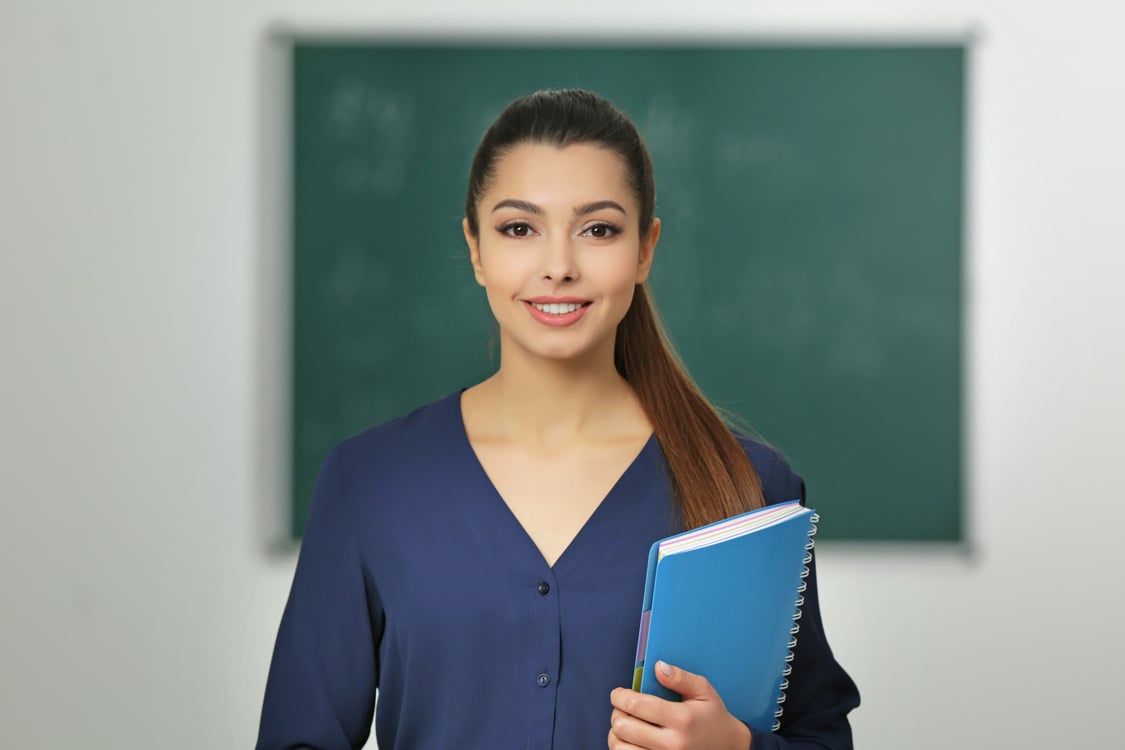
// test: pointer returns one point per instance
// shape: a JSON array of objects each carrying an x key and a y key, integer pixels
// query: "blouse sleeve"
[
  {"x": 320, "y": 693},
  {"x": 820, "y": 692}
]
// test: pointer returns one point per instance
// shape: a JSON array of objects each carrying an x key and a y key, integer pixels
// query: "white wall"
[{"x": 139, "y": 608}]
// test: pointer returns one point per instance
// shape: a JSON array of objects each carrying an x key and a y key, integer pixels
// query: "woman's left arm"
[
  {"x": 817, "y": 702},
  {"x": 820, "y": 693}
]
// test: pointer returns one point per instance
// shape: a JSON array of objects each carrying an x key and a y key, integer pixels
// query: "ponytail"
[{"x": 710, "y": 474}]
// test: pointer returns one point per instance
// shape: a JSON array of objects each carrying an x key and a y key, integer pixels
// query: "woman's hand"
[{"x": 699, "y": 722}]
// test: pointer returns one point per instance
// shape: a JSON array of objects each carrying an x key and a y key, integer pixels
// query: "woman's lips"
[{"x": 556, "y": 312}]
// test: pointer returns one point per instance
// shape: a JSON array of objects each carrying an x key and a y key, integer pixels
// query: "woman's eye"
[
  {"x": 516, "y": 229},
  {"x": 602, "y": 230}
]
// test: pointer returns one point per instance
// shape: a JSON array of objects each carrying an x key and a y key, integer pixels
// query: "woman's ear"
[
  {"x": 473, "y": 241},
  {"x": 648, "y": 250}
]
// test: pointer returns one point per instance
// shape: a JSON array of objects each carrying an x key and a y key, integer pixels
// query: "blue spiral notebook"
[{"x": 724, "y": 601}]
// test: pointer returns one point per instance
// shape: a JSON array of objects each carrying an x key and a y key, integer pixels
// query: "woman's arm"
[
  {"x": 320, "y": 693},
  {"x": 817, "y": 702},
  {"x": 820, "y": 692}
]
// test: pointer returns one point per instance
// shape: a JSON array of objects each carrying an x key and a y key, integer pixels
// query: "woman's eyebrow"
[
  {"x": 590, "y": 208},
  {"x": 527, "y": 206}
]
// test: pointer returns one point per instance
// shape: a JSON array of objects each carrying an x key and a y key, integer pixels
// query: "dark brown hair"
[{"x": 711, "y": 476}]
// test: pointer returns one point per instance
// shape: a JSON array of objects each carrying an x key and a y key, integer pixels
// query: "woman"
[{"x": 480, "y": 562}]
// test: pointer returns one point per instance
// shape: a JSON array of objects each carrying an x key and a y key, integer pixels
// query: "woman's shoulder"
[
  {"x": 418, "y": 436},
  {"x": 779, "y": 482}
]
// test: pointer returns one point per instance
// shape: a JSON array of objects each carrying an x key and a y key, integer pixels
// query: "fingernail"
[{"x": 664, "y": 667}]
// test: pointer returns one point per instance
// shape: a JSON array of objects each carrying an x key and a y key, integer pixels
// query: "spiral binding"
[{"x": 813, "y": 520}]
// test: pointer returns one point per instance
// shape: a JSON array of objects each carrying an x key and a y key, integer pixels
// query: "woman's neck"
[{"x": 545, "y": 402}]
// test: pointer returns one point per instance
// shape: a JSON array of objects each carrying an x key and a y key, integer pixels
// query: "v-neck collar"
[{"x": 504, "y": 512}]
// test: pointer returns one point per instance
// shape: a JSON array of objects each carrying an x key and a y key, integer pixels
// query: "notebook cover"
[{"x": 726, "y": 611}]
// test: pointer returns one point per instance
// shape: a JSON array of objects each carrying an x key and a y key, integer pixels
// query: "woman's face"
[{"x": 560, "y": 250}]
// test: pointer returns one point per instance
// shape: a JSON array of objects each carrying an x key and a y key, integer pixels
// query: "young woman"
[{"x": 479, "y": 563}]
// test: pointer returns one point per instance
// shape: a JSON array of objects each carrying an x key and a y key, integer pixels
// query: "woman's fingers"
[
  {"x": 647, "y": 708},
  {"x": 628, "y": 732},
  {"x": 690, "y": 686},
  {"x": 698, "y": 721}
]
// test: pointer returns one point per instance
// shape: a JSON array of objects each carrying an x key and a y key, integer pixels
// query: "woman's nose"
[{"x": 559, "y": 259}]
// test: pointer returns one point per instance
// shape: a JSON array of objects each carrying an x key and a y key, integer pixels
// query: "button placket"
[{"x": 541, "y": 591}]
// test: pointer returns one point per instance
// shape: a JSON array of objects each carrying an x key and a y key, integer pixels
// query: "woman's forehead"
[{"x": 579, "y": 169}]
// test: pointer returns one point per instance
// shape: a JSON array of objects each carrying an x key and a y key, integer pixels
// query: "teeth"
[{"x": 557, "y": 308}]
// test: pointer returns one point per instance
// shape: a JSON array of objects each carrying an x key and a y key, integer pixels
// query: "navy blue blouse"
[{"x": 417, "y": 583}]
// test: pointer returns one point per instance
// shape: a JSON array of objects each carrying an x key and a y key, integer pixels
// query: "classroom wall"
[{"x": 137, "y": 328}]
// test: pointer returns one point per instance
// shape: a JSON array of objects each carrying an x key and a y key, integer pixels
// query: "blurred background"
[{"x": 139, "y": 424}]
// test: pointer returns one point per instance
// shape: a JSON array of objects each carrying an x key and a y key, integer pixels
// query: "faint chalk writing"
[{"x": 375, "y": 130}]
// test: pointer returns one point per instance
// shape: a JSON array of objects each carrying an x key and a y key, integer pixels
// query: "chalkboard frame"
[{"x": 954, "y": 504}]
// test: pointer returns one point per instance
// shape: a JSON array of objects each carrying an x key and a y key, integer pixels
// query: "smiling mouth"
[{"x": 558, "y": 308}]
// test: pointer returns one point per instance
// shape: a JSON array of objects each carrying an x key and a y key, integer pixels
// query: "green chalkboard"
[{"x": 810, "y": 268}]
